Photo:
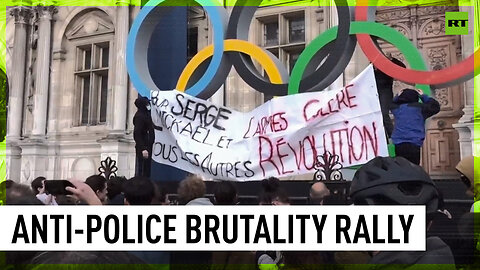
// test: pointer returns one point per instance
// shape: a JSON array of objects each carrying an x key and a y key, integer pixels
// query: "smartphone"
[{"x": 57, "y": 187}]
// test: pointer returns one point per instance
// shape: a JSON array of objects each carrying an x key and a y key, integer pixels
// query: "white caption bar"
[{"x": 242, "y": 228}]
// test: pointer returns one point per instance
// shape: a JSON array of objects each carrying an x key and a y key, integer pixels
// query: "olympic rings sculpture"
[{"x": 318, "y": 66}]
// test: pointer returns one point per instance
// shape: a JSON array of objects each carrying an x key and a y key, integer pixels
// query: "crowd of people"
[{"x": 382, "y": 181}]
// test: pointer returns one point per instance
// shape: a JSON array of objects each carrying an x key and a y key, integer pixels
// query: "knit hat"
[{"x": 407, "y": 96}]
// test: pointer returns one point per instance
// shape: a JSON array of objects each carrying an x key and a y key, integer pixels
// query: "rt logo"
[{"x": 456, "y": 23}]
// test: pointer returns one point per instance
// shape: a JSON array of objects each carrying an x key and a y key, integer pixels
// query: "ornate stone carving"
[
  {"x": 431, "y": 10},
  {"x": 436, "y": 27},
  {"x": 26, "y": 171},
  {"x": 22, "y": 15},
  {"x": 93, "y": 23},
  {"x": 415, "y": 2},
  {"x": 399, "y": 56},
  {"x": 436, "y": 9},
  {"x": 438, "y": 58},
  {"x": 46, "y": 12},
  {"x": 393, "y": 15},
  {"x": 402, "y": 29},
  {"x": 442, "y": 96},
  {"x": 458, "y": 49},
  {"x": 320, "y": 14}
]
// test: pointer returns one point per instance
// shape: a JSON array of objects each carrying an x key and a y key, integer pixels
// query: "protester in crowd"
[
  {"x": 305, "y": 260},
  {"x": 115, "y": 190},
  {"x": 37, "y": 185},
  {"x": 318, "y": 193},
  {"x": 468, "y": 246},
  {"x": 4, "y": 186},
  {"x": 225, "y": 193},
  {"x": 160, "y": 195},
  {"x": 468, "y": 174},
  {"x": 273, "y": 193},
  {"x": 191, "y": 191},
  {"x": 395, "y": 181},
  {"x": 281, "y": 198},
  {"x": 385, "y": 95},
  {"x": 138, "y": 190},
  {"x": 410, "y": 115},
  {"x": 8, "y": 183},
  {"x": 74, "y": 260},
  {"x": 98, "y": 184},
  {"x": 143, "y": 134},
  {"x": 18, "y": 194},
  {"x": 269, "y": 260},
  {"x": 38, "y": 188}
]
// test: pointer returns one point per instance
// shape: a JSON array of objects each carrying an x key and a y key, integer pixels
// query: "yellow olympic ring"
[{"x": 232, "y": 45}]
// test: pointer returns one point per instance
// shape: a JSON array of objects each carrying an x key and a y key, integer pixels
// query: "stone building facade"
[{"x": 71, "y": 103}]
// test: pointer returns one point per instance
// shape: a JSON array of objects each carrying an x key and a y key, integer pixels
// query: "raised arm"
[{"x": 430, "y": 106}]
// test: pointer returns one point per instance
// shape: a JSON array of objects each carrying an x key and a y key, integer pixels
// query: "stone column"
[
  {"x": 58, "y": 56},
  {"x": 15, "y": 111},
  {"x": 117, "y": 146},
  {"x": 120, "y": 85},
  {"x": 42, "y": 77},
  {"x": 465, "y": 125},
  {"x": 22, "y": 17},
  {"x": 133, "y": 93}
]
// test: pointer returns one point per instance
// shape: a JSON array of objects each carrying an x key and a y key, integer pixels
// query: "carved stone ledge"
[{"x": 59, "y": 55}]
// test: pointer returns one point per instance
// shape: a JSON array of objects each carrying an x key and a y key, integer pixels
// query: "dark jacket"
[
  {"x": 143, "y": 132},
  {"x": 410, "y": 116},
  {"x": 437, "y": 252},
  {"x": 385, "y": 95},
  {"x": 385, "y": 82}
]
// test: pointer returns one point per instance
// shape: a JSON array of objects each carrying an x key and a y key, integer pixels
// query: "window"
[
  {"x": 270, "y": 33},
  {"x": 91, "y": 78},
  {"x": 292, "y": 58},
  {"x": 296, "y": 29},
  {"x": 284, "y": 35},
  {"x": 192, "y": 42}
]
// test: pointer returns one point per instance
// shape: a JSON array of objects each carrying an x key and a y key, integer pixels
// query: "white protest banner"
[{"x": 280, "y": 138}]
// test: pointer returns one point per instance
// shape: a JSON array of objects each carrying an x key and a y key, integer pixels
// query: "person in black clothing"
[
  {"x": 385, "y": 95},
  {"x": 143, "y": 134},
  {"x": 115, "y": 190},
  {"x": 396, "y": 181}
]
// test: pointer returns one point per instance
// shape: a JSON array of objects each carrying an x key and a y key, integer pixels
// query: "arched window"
[{"x": 91, "y": 37}]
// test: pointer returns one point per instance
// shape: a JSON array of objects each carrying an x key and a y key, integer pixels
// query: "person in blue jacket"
[{"x": 410, "y": 115}]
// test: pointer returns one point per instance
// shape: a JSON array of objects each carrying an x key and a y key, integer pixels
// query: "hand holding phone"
[
  {"x": 58, "y": 187},
  {"x": 83, "y": 192}
]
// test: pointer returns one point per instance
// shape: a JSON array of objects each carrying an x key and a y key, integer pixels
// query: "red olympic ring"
[{"x": 438, "y": 77}]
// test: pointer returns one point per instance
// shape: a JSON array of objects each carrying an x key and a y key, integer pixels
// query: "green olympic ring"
[{"x": 412, "y": 54}]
